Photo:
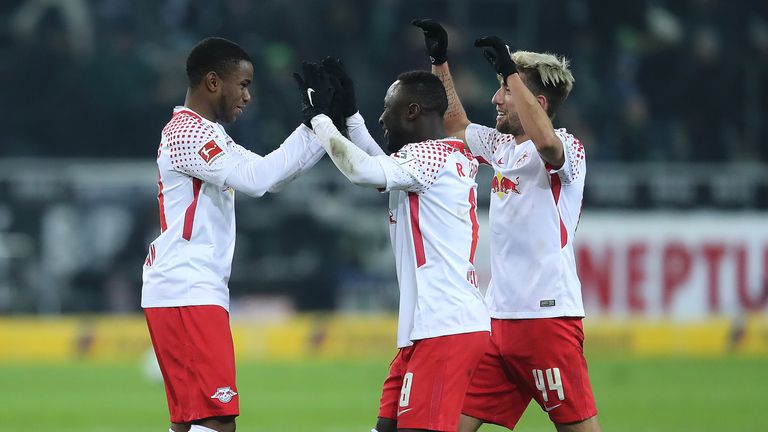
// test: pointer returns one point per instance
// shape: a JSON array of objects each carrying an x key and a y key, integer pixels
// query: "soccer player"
[
  {"x": 443, "y": 322},
  {"x": 534, "y": 297},
  {"x": 185, "y": 295}
]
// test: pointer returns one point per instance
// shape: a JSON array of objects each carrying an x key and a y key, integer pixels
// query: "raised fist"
[
  {"x": 435, "y": 38},
  {"x": 498, "y": 55}
]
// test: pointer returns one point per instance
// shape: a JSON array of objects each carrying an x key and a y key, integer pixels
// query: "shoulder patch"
[{"x": 210, "y": 151}]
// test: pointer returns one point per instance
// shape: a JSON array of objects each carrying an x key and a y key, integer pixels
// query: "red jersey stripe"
[
  {"x": 418, "y": 241},
  {"x": 556, "y": 186},
  {"x": 475, "y": 225},
  {"x": 189, "y": 215},
  {"x": 161, "y": 203}
]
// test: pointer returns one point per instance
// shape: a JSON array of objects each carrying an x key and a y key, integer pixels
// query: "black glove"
[
  {"x": 337, "y": 104},
  {"x": 345, "y": 92},
  {"x": 435, "y": 38},
  {"x": 316, "y": 91},
  {"x": 498, "y": 55}
]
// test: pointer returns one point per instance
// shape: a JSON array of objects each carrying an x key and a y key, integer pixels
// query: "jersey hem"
[
  {"x": 180, "y": 303},
  {"x": 534, "y": 315},
  {"x": 462, "y": 330}
]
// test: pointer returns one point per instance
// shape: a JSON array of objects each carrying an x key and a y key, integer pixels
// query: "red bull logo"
[{"x": 501, "y": 185}]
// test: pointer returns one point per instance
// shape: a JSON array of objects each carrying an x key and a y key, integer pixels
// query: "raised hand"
[
  {"x": 436, "y": 39},
  {"x": 316, "y": 91},
  {"x": 345, "y": 90},
  {"x": 498, "y": 55}
]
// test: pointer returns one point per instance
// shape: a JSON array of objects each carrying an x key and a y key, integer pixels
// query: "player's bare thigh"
[
  {"x": 390, "y": 425},
  {"x": 589, "y": 425},
  {"x": 471, "y": 424},
  {"x": 218, "y": 424}
]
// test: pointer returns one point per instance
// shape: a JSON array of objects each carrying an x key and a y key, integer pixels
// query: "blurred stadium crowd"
[
  {"x": 671, "y": 101},
  {"x": 656, "y": 80}
]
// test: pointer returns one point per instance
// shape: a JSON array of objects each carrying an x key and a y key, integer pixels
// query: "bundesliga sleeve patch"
[{"x": 210, "y": 151}]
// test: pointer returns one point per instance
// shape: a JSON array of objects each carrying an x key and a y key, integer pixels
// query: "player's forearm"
[
  {"x": 257, "y": 175},
  {"x": 359, "y": 135},
  {"x": 535, "y": 122},
  {"x": 455, "y": 118},
  {"x": 359, "y": 167},
  {"x": 311, "y": 157}
]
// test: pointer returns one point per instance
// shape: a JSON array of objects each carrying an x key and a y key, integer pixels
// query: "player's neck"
[
  {"x": 519, "y": 139},
  {"x": 434, "y": 129},
  {"x": 198, "y": 104}
]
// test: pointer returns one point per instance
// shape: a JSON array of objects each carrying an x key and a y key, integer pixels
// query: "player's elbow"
[
  {"x": 369, "y": 180},
  {"x": 355, "y": 178},
  {"x": 551, "y": 149},
  {"x": 256, "y": 192}
]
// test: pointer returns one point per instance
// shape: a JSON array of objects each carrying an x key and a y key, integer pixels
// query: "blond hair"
[
  {"x": 545, "y": 74},
  {"x": 553, "y": 70}
]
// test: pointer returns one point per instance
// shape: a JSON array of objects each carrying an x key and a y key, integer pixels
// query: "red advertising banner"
[{"x": 678, "y": 265}]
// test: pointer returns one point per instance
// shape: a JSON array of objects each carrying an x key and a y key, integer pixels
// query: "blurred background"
[{"x": 670, "y": 100}]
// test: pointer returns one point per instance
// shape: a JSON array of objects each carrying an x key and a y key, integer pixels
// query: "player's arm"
[
  {"x": 358, "y": 134},
  {"x": 310, "y": 158},
  {"x": 344, "y": 95},
  {"x": 204, "y": 155},
  {"x": 455, "y": 119},
  {"x": 255, "y": 175},
  {"x": 535, "y": 121},
  {"x": 436, "y": 40},
  {"x": 317, "y": 92},
  {"x": 358, "y": 166}
]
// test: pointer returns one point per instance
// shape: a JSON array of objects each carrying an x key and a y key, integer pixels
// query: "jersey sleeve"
[
  {"x": 198, "y": 151},
  {"x": 414, "y": 168},
  {"x": 255, "y": 175},
  {"x": 574, "y": 166},
  {"x": 483, "y": 141},
  {"x": 358, "y": 134}
]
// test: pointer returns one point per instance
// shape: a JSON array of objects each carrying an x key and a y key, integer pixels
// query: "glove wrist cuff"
[{"x": 437, "y": 62}]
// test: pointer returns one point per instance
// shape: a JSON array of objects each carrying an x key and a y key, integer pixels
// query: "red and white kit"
[
  {"x": 433, "y": 228},
  {"x": 533, "y": 216},
  {"x": 443, "y": 323},
  {"x": 200, "y": 167},
  {"x": 189, "y": 263},
  {"x": 534, "y": 213}
]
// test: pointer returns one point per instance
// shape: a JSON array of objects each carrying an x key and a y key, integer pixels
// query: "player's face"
[
  {"x": 393, "y": 119},
  {"x": 507, "y": 120},
  {"x": 234, "y": 94}
]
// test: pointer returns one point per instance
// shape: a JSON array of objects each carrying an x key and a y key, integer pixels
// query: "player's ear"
[
  {"x": 212, "y": 81},
  {"x": 543, "y": 101},
  {"x": 414, "y": 110}
]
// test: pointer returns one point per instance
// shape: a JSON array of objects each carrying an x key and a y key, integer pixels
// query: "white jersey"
[
  {"x": 190, "y": 262},
  {"x": 433, "y": 228},
  {"x": 533, "y": 217}
]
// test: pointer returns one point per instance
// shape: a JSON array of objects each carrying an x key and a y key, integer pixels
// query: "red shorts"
[
  {"x": 193, "y": 345},
  {"x": 428, "y": 380},
  {"x": 539, "y": 358}
]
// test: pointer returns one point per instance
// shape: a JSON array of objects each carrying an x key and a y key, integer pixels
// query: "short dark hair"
[
  {"x": 213, "y": 54},
  {"x": 426, "y": 89}
]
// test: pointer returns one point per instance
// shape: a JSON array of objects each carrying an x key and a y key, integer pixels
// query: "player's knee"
[{"x": 386, "y": 425}]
